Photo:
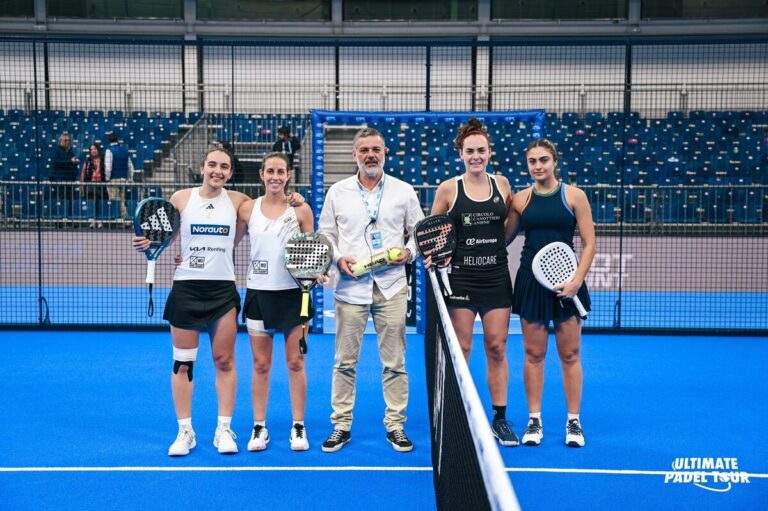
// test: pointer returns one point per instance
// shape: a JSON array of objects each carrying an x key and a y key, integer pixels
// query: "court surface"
[{"x": 87, "y": 418}]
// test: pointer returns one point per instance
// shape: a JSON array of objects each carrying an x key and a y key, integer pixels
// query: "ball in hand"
[{"x": 394, "y": 254}]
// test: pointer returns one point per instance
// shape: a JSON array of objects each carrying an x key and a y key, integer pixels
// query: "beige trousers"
[{"x": 389, "y": 321}]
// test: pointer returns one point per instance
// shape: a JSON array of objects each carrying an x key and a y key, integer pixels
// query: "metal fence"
[{"x": 668, "y": 138}]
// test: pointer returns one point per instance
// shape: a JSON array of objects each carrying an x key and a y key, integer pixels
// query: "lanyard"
[{"x": 365, "y": 194}]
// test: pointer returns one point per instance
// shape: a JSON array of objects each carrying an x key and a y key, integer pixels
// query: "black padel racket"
[
  {"x": 554, "y": 264},
  {"x": 308, "y": 256},
  {"x": 436, "y": 238},
  {"x": 157, "y": 220}
]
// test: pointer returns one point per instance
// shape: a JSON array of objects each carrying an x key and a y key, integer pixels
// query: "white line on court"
[
  {"x": 610, "y": 471},
  {"x": 335, "y": 469},
  {"x": 216, "y": 469}
]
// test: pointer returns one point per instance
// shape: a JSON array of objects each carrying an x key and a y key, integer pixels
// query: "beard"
[{"x": 370, "y": 171}]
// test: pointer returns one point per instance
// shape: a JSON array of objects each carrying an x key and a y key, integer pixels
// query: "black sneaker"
[
  {"x": 574, "y": 436},
  {"x": 336, "y": 440},
  {"x": 504, "y": 433},
  {"x": 399, "y": 440},
  {"x": 533, "y": 433}
]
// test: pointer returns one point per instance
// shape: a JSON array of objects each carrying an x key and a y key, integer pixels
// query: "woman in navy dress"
[{"x": 550, "y": 211}]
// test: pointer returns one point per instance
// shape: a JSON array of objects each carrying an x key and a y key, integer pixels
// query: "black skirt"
[
  {"x": 193, "y": 304},
  {"x": 473, "y": 291},
  {"x": 534, "y": 302},
  {"x": 279, "y": 310}
]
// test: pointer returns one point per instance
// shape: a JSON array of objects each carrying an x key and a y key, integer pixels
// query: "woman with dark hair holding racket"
[
  {"x": 479, "y": 204},
  {"x": 204, "y": 294},
  {"x": 549, "y": 211},
  {"x": 273, "y": 300}
]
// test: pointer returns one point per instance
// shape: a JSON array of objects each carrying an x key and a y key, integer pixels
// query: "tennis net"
[{"x": 468, "y": 470}]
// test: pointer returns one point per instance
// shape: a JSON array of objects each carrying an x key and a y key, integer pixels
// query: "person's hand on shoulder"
[{"x": 295, "y": 199}]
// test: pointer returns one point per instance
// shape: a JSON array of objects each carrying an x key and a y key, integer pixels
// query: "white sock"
[
  {"x": 263, "y": 423},
  {"x": 224, "y": 422},
  {"x": 535, "y": 415},
  {"x": 572, "y": 416},
  {"x": 185, "y": 423},
  {"x": 300, "y": 423}
]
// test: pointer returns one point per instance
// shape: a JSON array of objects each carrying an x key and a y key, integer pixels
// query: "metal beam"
[{"x": 198, "y": 28}]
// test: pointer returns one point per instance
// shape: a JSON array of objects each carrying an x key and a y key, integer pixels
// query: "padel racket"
[
  {"x": 554, "y": 264},
  {"x": 308, "y": 256},
  {"x": 157, "y": 220},
  {"x": 436, "y": 238}
]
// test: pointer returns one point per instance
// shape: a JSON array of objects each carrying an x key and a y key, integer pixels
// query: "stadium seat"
[{"x": 83, "y": 209}]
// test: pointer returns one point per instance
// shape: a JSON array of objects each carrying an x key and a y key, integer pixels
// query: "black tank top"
[
  {"x": 481, "y": 248},
  {"x": 546, "y": 219}
]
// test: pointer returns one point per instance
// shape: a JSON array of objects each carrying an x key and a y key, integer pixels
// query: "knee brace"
[{"x": 184, "y": 357}]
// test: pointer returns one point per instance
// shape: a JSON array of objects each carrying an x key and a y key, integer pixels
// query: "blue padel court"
[{"x": 87, "y": 419}]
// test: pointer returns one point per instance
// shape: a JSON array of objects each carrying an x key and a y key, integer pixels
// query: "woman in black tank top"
[
  {"x": 479, "y": 205},
  {"x": 550, "y": 211}
]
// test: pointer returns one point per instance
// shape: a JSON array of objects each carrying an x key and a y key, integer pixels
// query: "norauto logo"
[{"x": 210, "y": 230}]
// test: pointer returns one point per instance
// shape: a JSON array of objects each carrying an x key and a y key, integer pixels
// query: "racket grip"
[
  {"x": 150, "y": 272},
  {"x": 304, "y": 304},
  {"x": 580, "y": 307},
  {"x": 444, "y": 277}
]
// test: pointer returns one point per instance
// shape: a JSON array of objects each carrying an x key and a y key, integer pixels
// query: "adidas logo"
[
  {"x": 157, "y": 222},
  {"x": 210, "y": 206}
]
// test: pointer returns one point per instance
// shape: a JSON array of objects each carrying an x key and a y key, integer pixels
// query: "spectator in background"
[
  {"x": 117, "y": 167},
  {"x": 64, "y": 164},
  {"x": 118, "y": 164},
  {"x": 288, "y": 145},
  {"x": 93, "y": 172}
]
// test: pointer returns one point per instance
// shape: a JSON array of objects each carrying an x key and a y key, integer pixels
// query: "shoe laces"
[
  {"x": 221, "y": 431},
  {"x": 399, "y": 435},
  {"x": 298, "y": 430},
  {"x": 502, "y": 427},
  {"x": 185, "y": 435},
  {"x": 336, "y": 435},
  {"x": 534, "y": 426},
  {"x": 257, "y": 429},
  {"x": 574, "y": 428}
]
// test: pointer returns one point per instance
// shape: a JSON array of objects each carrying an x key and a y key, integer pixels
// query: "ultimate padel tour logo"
[{"x": 713, "y": 474}]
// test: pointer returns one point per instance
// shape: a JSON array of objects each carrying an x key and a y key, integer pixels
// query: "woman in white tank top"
[
  {"x": 273, "y": 299},
  {"x": 204, "y": 294}
]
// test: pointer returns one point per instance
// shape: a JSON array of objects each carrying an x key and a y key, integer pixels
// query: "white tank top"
[
  {"x": 268, "y": 238},
  {"x": 207, "y": 238}
]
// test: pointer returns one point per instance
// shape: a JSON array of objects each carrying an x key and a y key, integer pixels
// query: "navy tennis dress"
[{"x": 546, "y": 219}]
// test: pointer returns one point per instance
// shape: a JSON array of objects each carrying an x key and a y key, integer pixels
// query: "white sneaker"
[
  {"x": 185, "y": 441},
  {"x": 574, "y": 436},
  {"x": 533, "y": 433},
  {"x": 224, "y": 441},
  {"x": 259, "y": 439},
  {"x": 299, "y": 440}
]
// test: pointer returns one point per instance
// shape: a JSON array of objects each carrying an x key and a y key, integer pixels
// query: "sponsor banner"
[{"x": 94, "y": 258}]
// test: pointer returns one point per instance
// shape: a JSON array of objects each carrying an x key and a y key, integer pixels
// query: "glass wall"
[
  {"x": 17, "y": 8},
  {"x": 106, "y": 9},
  {"x": 675, "y": 9},
  {"x": 554, "y": 10},
  {"x": 276, "y": 10},
  {"x": 401, "y": 10}
]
